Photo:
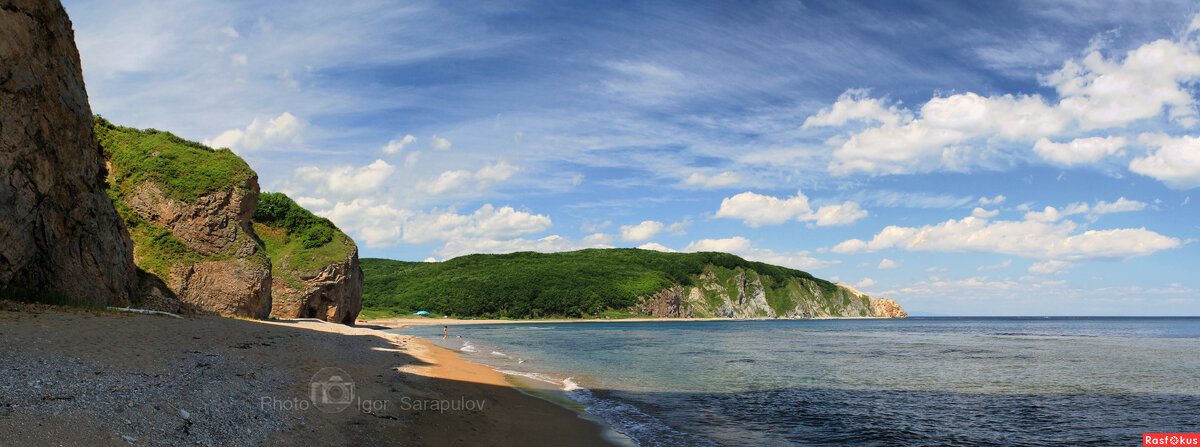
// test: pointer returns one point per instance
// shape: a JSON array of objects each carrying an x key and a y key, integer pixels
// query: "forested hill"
[{"x": 610, "y": 282}]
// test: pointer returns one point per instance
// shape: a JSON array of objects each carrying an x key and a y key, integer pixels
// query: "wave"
[
  {"x": 629, "y": 420},
  {"x": 468, "y": 347}
]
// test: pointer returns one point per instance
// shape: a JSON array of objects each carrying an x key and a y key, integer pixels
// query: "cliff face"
[
  {"x": 189, "y": 211},
  {"x": 744, "y": 294},
  {"x": 314, "y": 265},
  {"x": 60, "y": 232}
]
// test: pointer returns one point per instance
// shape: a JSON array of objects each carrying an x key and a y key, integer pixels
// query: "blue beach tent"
[{"x": 422, "y": 313}]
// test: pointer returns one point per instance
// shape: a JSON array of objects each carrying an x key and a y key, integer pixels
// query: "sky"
[{"x": 962, "y": 158}]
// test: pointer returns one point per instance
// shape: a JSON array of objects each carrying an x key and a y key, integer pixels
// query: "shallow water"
[{"x": 981, "y": 381}]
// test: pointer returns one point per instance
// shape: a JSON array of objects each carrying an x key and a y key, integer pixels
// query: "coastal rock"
[
  {"x": 216, "y": 226},
  {"x": 666, "y": 303},
  {"x": 887, "y": 308},
  {"x": 333, "y": 294},
  {"x": 60, "y": 230}
]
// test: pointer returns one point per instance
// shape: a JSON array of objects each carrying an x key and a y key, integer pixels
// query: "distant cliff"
[
  {"x": 60, "y": 231},
  {"x": 314, "y": 265},
  {"x": 188, "y": 209},
  {"x": 609, "y": 282}
]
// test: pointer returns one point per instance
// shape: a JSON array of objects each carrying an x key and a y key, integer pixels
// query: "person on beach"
[{"x": 445, "y": 333}]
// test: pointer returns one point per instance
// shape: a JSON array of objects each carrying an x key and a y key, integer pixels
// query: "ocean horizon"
[{"x": 919, "y": 381}]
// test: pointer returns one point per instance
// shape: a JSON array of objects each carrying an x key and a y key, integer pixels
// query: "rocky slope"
[
  {"x": 314, "y": 266},
  {"x": 744, "y": 293},
  {"x": 188, "y": 209},
  {"x": 60, "y": 232}
]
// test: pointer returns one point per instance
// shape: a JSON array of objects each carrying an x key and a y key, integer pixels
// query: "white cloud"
[
  {"x": 1048, "y": 267},
  {"x": 837, "y": 215},
  {"x": 461, "y": 180},
  {"x": 984, "y": 268},
  {"x": 1041, "y": 235},
  {"x": 440, "y": 144},
  {"x": 239, "y": 59},
  {"x": 577, "y": 179},
  {"x": 984, "y": 214},
  {"x": 1102, "y": 93},
  {"x": 1120, "y": 206},
  {"x": 412, "y": 159},
  {"x": 395, "y": 146},
  {"x": 488, "y": 222},
  {"x": 1174, "y": 161},
  {"x": 1080, "y": 150},
  {"x": 679, "y": 228},
  {"x": 372, "y": 224},
  {"x": 757, "y": 210},
  {"x": 886, "y": 264},
  {"x": 992, "y": 201},
  {"x": 269, "y": 134},
  {"x": 865, "y": 282},
  {"x": 1051, "y": 214},
  {"x": 712, "y": 181},
  {"x": 741, "y": 246},
  {"x": 589, "y": 227},
  {"x": 656, "y": 247},
  {"x": 641, "y": 232},
  {"x": 548, "y": 244},
  {"x": 855, "y": 105},
  {"x": 346, "y": 181},
  {"x": 960, "y": 131},
  {"x": 312, "y": 202}
]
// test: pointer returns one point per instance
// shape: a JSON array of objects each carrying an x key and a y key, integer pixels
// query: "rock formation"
[
  {"x": 744, "y": 294},
  {"x": 886, "y": 308},
  {"x": 191, "y": 228},
  {"x": 314, "y": 264},
  {"x": 333, "y": 294},
  {"x": 60, "y": 231}
]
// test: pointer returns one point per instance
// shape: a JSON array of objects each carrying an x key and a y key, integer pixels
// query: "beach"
[{"x": 79, "y": 377}]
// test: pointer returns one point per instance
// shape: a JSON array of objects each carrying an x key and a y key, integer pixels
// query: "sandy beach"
[{"x": 75, "y": 377}]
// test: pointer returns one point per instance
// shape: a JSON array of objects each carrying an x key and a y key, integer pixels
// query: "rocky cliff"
[
  {"x": 188, "y": 209},
  {"x": 60, "y": 232},
  {"x": 314, "y": 266},
  {"x": 743, "y": 293}
]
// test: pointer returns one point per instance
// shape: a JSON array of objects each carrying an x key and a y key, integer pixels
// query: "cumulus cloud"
[
  {"x": 1048, "y": 267},
  {"x": 346, "y": 181},
  {"x": 260, "y": 134},
  {"x": 1080, "y": 150},
  {"x": 371, "y": 223},
  {"x": 865, "y": 282},
  {"x": 757, "y": 210},
  {"x": 886, "y": 264},
  {"x": 854, "y": 105},
  {"x": 441, "y": 144},
  {"x": 741, "y": 246},
  {"x": 641, "y": 232},
  {"x": 461, "y": 180},
  {"x": 486, "y": 223},
  {"x": 712, "y": 181},
  {"x": 312, "y": 202},
  {"x": 395, "y": 146},
  {"x": 1173, "y": 161},
  {"x": 992, "y": 201},
  {"x": 656, "y": 247},
  {"x": 957, "y": 132},
  {"x": 548, "y": 244},
  {"x": 984, "y": 268},
  {"x": 1041, "y": 235}
]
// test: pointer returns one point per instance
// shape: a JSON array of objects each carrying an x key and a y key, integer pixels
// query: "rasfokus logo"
[{"x": 331, "y": 390}]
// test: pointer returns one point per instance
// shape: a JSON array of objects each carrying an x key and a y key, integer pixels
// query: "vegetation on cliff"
[
  {"x": 298, "y": 242},
  {"x": 573, "y": 284}
]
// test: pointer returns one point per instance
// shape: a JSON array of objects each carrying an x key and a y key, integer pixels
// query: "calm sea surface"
[{"x": 920, "y": 381}]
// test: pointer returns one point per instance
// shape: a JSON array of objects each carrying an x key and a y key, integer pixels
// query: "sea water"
[{"x": 918, "y": 381}]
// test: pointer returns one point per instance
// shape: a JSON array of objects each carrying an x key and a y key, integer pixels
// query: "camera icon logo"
[{"x": 331, "y": 390}]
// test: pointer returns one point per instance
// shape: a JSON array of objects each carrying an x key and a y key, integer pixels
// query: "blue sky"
[{"x": 973, "y": 158}]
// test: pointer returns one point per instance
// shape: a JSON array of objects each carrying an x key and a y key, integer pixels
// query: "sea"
[{"x": 1035, "y": 381}]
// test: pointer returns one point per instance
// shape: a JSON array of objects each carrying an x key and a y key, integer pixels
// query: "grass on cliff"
[
  {"x": 186, "y": 169},
  {"x": 298, "y": 242},
  {"x": 582, "y": 283}
]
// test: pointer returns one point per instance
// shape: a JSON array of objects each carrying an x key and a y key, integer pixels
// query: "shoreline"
[
  {"x": 121, "y": 378},
  {"x": 407, "y": 322}
]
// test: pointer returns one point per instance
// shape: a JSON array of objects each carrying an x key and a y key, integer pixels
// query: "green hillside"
[
  {"x": 572, "y": 284},
  {"x": 298, "y": 242}
]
